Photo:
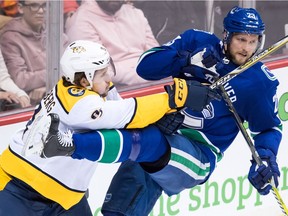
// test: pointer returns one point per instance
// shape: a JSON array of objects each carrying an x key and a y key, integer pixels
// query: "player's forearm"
[
  {"x": 112, "y": 146},
  {"x": 149, "y": 109},
  {"x": 154, "y": 65},
  {"x": 269, "y": 139}
]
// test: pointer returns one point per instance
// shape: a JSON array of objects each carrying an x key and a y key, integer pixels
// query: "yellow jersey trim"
[
  {"x": 149, "y": 109},
  {"x": 75, "y": 93},
  {"x": 44, "y": 184}
]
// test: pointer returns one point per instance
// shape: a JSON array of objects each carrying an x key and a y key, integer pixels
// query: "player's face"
[
  {"x": 242, "y": 47},
  {"x": 101, "y": 81}
]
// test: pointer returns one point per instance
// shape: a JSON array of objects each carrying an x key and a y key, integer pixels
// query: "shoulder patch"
[
  {"x": 77, "y": 92},
  {"x": 268, "y": 73},
  {"x": 97, "y": 114}
]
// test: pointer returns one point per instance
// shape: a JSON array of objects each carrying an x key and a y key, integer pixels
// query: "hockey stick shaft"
[
  {"x": 251, "y": 146},
  {"x": 224, "y": 79}
]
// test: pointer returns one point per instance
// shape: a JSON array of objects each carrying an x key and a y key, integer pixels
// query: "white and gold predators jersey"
[{"x": 64, "y": 179}]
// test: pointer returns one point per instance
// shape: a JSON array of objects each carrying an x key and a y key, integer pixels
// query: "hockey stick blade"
[
  {"x": 224, "y": 79},
  {"x": 252, "y": 147}
]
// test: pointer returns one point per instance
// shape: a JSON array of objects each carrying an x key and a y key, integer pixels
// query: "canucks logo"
[
  {"x": 268, "y": 73},
  {"x": 77, "y": 92},
  {"x": 108, "y": 197}
]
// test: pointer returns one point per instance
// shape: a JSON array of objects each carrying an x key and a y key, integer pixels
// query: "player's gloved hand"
[
  {"x": 203, "y": 63},
  {"x": 268, "y": 173},
  {"x": 170, "y": 122},
  {"x": 190, "y": 94}
]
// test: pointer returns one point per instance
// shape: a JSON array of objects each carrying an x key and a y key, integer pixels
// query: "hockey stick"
[
  {"x": 224, "y": 79},
  {"x": 252, "y": 147}
]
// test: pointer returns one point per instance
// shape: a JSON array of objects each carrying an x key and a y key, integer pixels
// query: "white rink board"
[{"x": 228, "y": 191}]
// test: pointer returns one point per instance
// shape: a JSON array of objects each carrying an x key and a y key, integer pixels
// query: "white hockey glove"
[{"x": 203, "y": 63}]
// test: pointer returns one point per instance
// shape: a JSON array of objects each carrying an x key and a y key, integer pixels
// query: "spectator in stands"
[
  {"x": 9, "y": 8},
  {"x": 9, "y": 90},
  {"x": 3, "y": 20},
  {"x": 168, "y": 18},
  {"x": 23, "y": 48},
  {"x": 6, "y": 99},
  {"x": 121, "y": 28},
  {"x": 70, "y": 7}
]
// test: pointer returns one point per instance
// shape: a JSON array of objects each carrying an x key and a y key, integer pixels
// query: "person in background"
[
  {"x": 11, "y": 92},
  {"x": 168, "y": 18},
  {"x": 8, "y": 101},
  {"x": 23, "y": 48},
  {"x": 10, "y": 8},
  {"x": 3, "y": 20},
  {"x": 70, "y": 6},
  {"x": 121, "y": 28}
]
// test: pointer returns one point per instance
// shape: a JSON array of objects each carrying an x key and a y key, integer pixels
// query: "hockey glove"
[
  {"x": 170, "y": 123},
  {"x": 262, "y": 177},
  {"x": 203, "y": 63},
  {"x": 190, "y": 94}
]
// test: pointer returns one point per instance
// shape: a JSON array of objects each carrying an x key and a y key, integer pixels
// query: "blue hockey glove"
[
  {"x": 170, "y": 122},
  {"x": 259, "y": 177},
  {"x": 203, "y": 63},
  {"x": 190, "y": 94}
]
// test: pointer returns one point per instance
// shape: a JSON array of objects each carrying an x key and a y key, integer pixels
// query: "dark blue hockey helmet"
[{"x": 243, "y": 20}]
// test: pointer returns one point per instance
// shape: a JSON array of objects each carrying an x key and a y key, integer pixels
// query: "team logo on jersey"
[
  {"x": 172, "y": 41},
  {"x": 268, "y": 73},
  {"x": 77, "y": 92},
  {"x": 108, "y": 197},
  {"x": 97, "y": 114},
  {"x": 208, "y": 111}
]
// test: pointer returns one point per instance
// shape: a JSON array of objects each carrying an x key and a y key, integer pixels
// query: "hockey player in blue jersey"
[{"x": 204, "y": 136}]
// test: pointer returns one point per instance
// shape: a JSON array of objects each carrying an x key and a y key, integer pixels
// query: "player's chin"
[
  {"x": 104, "y": 94},
  {"x": 240, "y": 60}
]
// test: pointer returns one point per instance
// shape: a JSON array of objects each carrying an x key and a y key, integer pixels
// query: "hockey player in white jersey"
[{"x": 84, "y": 99}]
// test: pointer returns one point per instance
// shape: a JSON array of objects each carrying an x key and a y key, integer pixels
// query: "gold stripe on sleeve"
[
  {"x": 38, "y": 180},
  {"x": 149, "y": 109}
]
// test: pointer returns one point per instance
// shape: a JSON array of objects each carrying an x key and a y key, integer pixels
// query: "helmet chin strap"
[
  {"x": 227, "y": 37},
  {"x": 89, "y": 87},
  {"x": 261, "y": 43},
  {"x": 226, "y": 50},
  {"x": 226, "y": 43}
]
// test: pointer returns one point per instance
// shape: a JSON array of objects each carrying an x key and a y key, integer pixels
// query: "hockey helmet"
[
  {"x": 243, "y": 20},
  {"x": 84, "y": 56}
]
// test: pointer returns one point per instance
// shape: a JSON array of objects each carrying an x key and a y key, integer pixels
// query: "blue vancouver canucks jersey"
[{"x": 253, "y": 94}]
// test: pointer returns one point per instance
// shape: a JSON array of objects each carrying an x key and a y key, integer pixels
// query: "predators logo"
[
  {"x": 78, "y": 49},
  {"x": 77, "y": 92}
]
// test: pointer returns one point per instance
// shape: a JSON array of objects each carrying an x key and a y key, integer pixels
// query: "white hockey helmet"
[{"x": 84, "y": 56}]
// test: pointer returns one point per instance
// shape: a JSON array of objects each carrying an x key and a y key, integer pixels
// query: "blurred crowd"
[{"x": 127, "y": 28}]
